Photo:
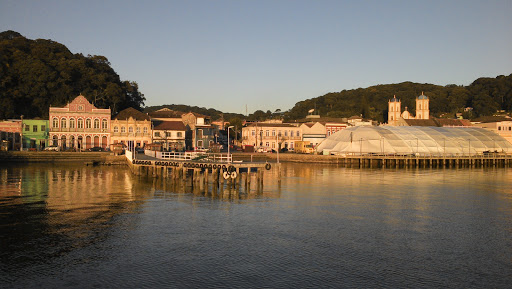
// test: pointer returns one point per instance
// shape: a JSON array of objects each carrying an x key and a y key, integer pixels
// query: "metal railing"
[{"x": 192, "y": 156}]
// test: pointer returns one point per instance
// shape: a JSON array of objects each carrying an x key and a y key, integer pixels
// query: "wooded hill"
[
  {"x": 37, "y": 74},
  {"x": 484, "y": 95}
]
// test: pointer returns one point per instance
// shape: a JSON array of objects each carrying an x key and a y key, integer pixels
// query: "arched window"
[
  {"x": 138, "y": 129},
  {"x": 145, "y": 130},
  {"x": 80, "y": 123},
  {"x": 104, "y": 124},
  {"x": 123, "y": 129},
  {"x": 88, "y": 123},
  {"x": 116, "y": 129},
  {"x": 298, "y": 133},
  {"x": 96, "y": 123},
  {"x": 71, "y": 123},
  {"x": 63, "y": 122},
  {"x": 130, "y": 129},
  {"x": 55, "y": 122}
]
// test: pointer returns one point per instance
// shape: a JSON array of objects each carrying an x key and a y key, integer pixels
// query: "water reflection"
[{"x": 319, "y": 225}]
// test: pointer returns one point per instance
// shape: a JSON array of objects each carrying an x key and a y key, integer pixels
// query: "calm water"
[{"x": 324, "y": 226}]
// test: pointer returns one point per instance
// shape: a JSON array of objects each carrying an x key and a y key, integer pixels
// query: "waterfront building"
[
  {"x": 10, "y": 134},
  {"x": 35, "y": 133},
  {"x": 200, "y": 131},
  {"x": 131, "y": 125},
  {"x": 271, "y": 135},
  {"x": 79, "y": 125},
  {"x": 169, "y": 134},
  {"x": 395, "y": 114}
]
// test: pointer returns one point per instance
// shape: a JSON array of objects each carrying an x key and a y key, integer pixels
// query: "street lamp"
[{"x": 229, "y": 143}]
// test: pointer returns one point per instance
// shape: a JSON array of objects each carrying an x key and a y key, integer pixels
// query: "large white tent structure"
[{"x": 414, "y": 140}]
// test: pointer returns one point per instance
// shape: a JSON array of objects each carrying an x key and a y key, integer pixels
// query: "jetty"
[{"x": 199, "y": 169}]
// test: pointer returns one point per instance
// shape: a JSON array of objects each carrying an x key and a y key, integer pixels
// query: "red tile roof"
[{"x": 168, "y": 125}]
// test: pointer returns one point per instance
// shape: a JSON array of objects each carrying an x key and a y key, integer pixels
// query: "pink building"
[{"x": 79, "y": 125}]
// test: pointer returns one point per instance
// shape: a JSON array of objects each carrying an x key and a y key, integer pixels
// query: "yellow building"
[
  {"x": 131, "y": 125},
  {"x": 271, "y": 135}
]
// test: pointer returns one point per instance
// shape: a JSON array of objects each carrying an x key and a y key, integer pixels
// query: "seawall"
[{"x": 105, "y": 158}]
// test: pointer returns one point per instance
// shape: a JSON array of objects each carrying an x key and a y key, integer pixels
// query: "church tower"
[
  {"x": 422, "y": 107},
  {"x": 394, "y": 110}
]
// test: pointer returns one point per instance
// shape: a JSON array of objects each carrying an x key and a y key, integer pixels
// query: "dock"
[{"x": 202, "y": 170}]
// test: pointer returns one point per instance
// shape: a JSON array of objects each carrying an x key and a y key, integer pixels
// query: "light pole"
[
  {"x": 21, "y": 134},
  {"x": 278, "y": 146},
  {"x": 229, "y": 144}
]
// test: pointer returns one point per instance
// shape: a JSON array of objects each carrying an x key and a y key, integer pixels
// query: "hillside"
[
  {"x": 484, "y": 95},
  {"x": 37, "y": 74}
]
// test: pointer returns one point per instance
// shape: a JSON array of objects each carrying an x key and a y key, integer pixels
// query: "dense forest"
[
  {"x": 485, "y": 96},
  {"x": 36, "y": 74}
]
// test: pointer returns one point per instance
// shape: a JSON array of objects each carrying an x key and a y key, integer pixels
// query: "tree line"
[{"x": 37, "y": 74}]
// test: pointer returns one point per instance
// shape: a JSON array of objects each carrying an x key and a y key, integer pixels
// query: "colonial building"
[
  {"x": 200, "y": 131},
  {"x": 395, "y": 113},
  {"x": 131, "y": 125},
  {"x": 35, "y": 133},
  {"x": 79, "y": 125},
  {"x": 271, "y": 135},
  {"x": 10, "y": 134},
  {"x": 498, "y": 124},
  {"x": 170, "y": 134}
]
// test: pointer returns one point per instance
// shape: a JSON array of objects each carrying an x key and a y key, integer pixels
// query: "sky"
[{"x": 240, "y": 56}]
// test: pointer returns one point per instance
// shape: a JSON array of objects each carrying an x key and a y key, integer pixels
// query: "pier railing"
[{"x": 193, "y": 156}]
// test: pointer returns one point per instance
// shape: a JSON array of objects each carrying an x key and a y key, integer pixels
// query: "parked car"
[
  {"x": 96, "y": 149},
  {"x": 52, "y": 148}
]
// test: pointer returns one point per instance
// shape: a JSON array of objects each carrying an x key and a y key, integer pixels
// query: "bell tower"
[
  {"x": 422, "y": 107},
  {"x": 394, "y": 110}
]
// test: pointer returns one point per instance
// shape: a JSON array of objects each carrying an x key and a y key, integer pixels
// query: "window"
[
  {"x": 43, "y": 128},
  {"x": 80, "y": 123},
  {"x": 138, "y": 130},
  {"x": 180, "y": 134},
  {"x": 63, "y": 122},
  {"x": 104, "y": 124},
  {"x": 273, "y": 132},
  {"x": 130, "y": 129},
  {"x": 285, "y": 133},
  {"x": 88, "y": 123},
  {"x": 96, "y": 123},
  {"x": 34, "y": 128},
  {"x": 157, "y": 134},
  {"x": 55, "y": 122},
  {"x": 298, "y": 133},
  {"x": 168, "y": 134},
  {"x": 291, "y": 133},
  {"x": 116, "y": 129},
  {"x": 80, "y": 107},
  {"x": 71, "y": 123},
  {"x": 279, "y": 133},
  {"x": 200, "y": 143},
  {"x": 199, "y": 133},
  {"x": 123, "y": 129},
  {"x": 145, "y": 130},
  {"x": 27, "y": 127},
  {"x": 267, "y": 144},
  {"x": 253, "y": 132},
  {"x": 267, "y": 133}
]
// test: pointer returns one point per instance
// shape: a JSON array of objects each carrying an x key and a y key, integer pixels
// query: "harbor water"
[{"x": 321, "y": 226}]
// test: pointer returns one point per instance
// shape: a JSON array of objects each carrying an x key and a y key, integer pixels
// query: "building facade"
[
  {"x": 131, "y": 125},
  {"x": 170, "y": 134},
  {"x": 200, "y": 131},
  {"x": 271, "y": 135},
  {"x": 79, "y": 125},
  {"x": 35, "y": 133},
  {"x": 10, "y": 135}
]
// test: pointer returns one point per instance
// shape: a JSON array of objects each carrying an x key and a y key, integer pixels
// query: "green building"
[{"x": 35, "y": 133}]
